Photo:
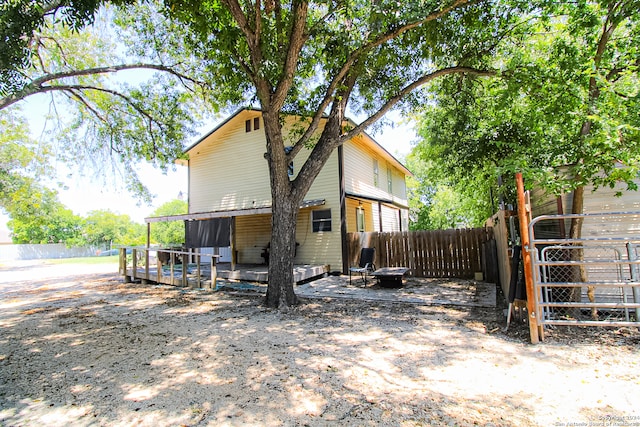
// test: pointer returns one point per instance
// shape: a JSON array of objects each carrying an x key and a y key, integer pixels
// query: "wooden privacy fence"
[{"x": 456, "y": 253}]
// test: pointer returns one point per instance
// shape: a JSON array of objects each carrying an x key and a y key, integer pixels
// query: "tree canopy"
[
  {"x": 123, "y": 106},
  {"x": 565, "y": 110},
  {"x": 171, "y": 232}
]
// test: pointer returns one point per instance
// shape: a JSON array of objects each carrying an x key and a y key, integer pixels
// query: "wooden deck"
[{"x": 140, "y": 265}]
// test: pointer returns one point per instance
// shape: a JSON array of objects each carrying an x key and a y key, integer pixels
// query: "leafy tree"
[
  {"x": 437, "y": 201},
  {"x": 565, "y": 111},
  {"x": 103, "y": 228},
  {"x": 81, "y": 73},
  {"x": 41, "y": 218},
  {"x": 317, "y": 60},
  {"x": 20, "y": 160},
  {"x": 169, "y": 233}
]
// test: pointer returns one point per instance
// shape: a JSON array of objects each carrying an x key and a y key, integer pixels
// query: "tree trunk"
[
  {"x": 280, "y": 293},
  {"x": 578, "y": 273},
  {"x": 285, "y": 204}
]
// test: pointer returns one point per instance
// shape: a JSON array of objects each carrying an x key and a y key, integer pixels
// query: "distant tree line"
[{"x": 46, "y": 220}]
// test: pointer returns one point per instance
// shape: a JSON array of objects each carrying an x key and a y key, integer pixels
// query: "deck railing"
[{"x": 168, "y": 266}]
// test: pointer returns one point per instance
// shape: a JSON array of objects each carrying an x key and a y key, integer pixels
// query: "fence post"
[
  {"x": 526, "y": 259},
  {"x": 214, "y": 272},
  {"x": 134, "y": 259},
  {"x": 635, "y": 277}
]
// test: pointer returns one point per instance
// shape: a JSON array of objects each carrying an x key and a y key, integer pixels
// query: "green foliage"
[
  {"x": 313, "y": 58},
  {"x": 564, "y": 111},
  {"x": 120, "y": 124},
  {"x": 38, "y": 217},
  {"x": 20, "y": 160},
  {"x": 104, "y": 229},
  {"x": 19, "y": 19},
  {"x": 171, "y": 232},
  {"x": 436, "y": 201}
]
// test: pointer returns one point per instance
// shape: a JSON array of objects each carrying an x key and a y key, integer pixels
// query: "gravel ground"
[{"x": 78, "y": 347}]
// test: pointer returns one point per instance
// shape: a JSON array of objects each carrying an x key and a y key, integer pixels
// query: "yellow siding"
[
  {"x": 324, "y": 247},
  {"x": 253, "y": 232},
  {"x": 390, "y": 218},
  {"x": 368, "y": 207},
  {"x": 359, "y": 176},
  {"x": 228, "y": 170}
]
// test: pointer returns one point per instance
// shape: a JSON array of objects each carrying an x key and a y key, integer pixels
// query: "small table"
[{"x": 390, "y": 277}]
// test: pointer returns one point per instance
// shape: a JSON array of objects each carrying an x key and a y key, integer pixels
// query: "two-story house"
[{"x": 361, "y": 188}]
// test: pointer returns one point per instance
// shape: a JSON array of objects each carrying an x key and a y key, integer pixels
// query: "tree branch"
[
  {"x": 407, "y": 89},
  {"x": 74, "y": 90},
  {"x": 297, "y": 39},
  {"x": 263, "y": 86},
  {"x": 356, "y": 54},
  {"x": 74, "y": 94},
  {"x": 36, "y": 85}
]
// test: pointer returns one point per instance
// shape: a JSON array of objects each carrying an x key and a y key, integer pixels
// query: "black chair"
[{"x": 366, "y": 264}]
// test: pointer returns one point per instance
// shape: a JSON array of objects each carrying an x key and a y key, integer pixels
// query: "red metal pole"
[{"x": 526, "y": 260}]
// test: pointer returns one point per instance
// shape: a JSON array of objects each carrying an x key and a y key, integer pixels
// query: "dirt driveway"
[{"x": 78, "y": 347}]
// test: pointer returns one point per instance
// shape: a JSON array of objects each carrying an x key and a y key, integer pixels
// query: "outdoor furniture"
[
  {"x": 366, "y": 264},
  {"x": 390, "y": 277}
]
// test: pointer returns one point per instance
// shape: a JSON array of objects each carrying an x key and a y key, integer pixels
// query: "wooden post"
[
  {"x": 159, "y": 266},
  {"x": 123, "y": 265},
  {"x": 232, "y": 239},
  {"x": 134, "y": 259},
  {"x": 172, "y": 261},
  {"x": 526, "y": 260},
  {"x": 214, "y": 271},
  {"x": 146, "y": 265},
  {"x": 198, "y": 259},
  {"x": 185, "y": 263}
]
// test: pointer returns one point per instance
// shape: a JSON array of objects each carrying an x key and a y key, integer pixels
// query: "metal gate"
[{"x": 591, "y": 281}]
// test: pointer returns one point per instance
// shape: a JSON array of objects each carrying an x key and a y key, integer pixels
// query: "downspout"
[{"x": 343, "y": 212}]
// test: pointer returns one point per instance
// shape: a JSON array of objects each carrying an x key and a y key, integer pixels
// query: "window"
[
  {"x": 360, "y": 218},
  {"x": 321, "y": 220},
  {"x": 389, "y": 179},
  {"x": 376, "y": 173},
  {"x": 256, "y": 124}
]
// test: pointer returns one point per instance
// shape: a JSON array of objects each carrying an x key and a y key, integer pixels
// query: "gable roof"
[{"x": 366, "y": 138}]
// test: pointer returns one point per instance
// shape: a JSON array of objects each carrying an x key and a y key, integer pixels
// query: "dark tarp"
[{"x": 209, "y": 233}]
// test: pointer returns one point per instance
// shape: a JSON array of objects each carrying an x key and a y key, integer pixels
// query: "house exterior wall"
[
  {"x": 359, "y": 174},
  {"x": 390, "y": 218},
  {"x": 602, "y": 200},
  {"x": 253, "y": 233},
  {"x": 385, "y": 206},
  {"x": 321, "y": 247},
  {"x": 368, "y": 207},
  {"x": 227, "y": 171}
]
